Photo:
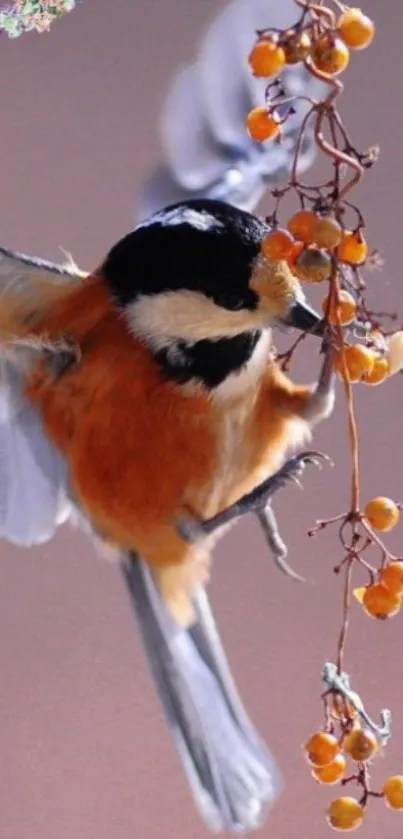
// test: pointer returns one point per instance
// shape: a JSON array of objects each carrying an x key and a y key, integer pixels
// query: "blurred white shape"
[
  {"x": 394, "y": 352},
  {"x": 207, "y": 150},
  {"x": 197, "y": 163},
  {"x": 33, "y": 483},
  {"x": 223, "y": 63},
  {"x": 221, "y": 68}
]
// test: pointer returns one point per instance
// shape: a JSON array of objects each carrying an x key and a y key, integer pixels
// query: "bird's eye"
[{"x": 230, "y": 301}]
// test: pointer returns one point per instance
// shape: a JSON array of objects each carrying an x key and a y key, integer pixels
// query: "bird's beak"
[{"x": 302, "y": 317}]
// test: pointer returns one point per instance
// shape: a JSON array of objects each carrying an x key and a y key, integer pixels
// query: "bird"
[
  {"x": 206, "y": 151},
  {"x": 144, "y": 398}
]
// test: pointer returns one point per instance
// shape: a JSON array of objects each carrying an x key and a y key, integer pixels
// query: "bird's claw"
[
  {"x": 293, "y": 469},
  {"x": 277, "y": 547},
  {"x": 256, "y": 501},
  {"x": 190, "y": 529}
]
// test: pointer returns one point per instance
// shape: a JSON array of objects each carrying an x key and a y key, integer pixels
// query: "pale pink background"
[{"x": 83, "y": 747}]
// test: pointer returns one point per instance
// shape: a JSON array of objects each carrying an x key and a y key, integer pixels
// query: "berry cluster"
[
  {"x": 327, "y": 756},
  {"x": 308, "y": 244},
  {"x": 324, "y": 241},
  {"x": 319, "y": 40}
]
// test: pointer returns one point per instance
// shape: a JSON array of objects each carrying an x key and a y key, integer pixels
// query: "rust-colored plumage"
[
  {"x": 142, "y": 450},
  {"x": 154, "y": 380}
]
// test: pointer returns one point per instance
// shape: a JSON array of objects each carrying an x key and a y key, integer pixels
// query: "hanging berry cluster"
[{"x": 324, "y": 242}]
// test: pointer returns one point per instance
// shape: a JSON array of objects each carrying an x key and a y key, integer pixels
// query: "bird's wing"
[
  {"x": 207, "y": 151},
  {"x": 33, "y": 477},
  {"x": 28, "y": 285}
]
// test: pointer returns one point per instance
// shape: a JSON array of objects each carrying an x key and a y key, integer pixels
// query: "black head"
[
  {"x": 202, "y": 246},
  {"x": 194, "y": 273}
]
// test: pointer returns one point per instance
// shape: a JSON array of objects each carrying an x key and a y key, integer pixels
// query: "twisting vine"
[{"x": 324, "y": 241}]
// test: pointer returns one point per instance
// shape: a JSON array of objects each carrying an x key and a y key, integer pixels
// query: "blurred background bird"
[{"x": 207, "y": 151}]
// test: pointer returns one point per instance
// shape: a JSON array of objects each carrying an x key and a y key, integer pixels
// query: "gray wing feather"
[
  {"x": 18, "y": 268},
  {"x": 196, "y": 164},
  {"x": 33, "y": 479},
  {"x": 33, "y": 475}
]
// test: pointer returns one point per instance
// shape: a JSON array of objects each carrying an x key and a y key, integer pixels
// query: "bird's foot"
[{"x": 256, "y": 501}]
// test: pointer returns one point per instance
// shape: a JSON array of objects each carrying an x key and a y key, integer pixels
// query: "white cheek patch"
[{"x": 160, "y": 319}]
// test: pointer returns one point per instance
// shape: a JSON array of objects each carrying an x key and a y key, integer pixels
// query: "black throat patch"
[{"x": 207, "y": 361}]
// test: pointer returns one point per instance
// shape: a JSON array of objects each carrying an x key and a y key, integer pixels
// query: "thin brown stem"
[
  {"x": 301, "y": 134},
  {"x": 377, "y": 541},
  {"x": 330, "y": 198},
  {"x": 341, "y": 7},
  {"x": 340, "y": 156},
  {"x": 346, "y": 614},
  {"x": 352, "y": 423},
  {"x": 322, "y": 523},
  {"x": 320, "y": 11}
]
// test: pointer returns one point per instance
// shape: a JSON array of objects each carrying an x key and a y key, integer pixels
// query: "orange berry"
[
  {"x": 392, "y": 576},
  {"x": 343, "y": 311},
  {"x": 302, "y": 225},
  {"x": 321, "y": 749},
  {"x": 327, "y": 232},
  {"x": 393, "y": 792},
  {"x": 359, "y": 362},
  {"x": 345, "y": 813},
  {"x": 278, "y": 244},
  {"x": 313, "y": 265},
  {"x": 360, "y": 744},
  {"x": 379, "y": 371},
  {"x": 296, "y": 46},
  {"x": 295, "y": 252},
  {"x": 267, "y": 58},
  {"x": 262, "y": 124},
  {"x": 379, "y": 602},
  {"x": 330, "y": 54},
  {"x": 356, "y": 29},
  {"x": 382, "y": 513},
  {"x": 332, "y": 773},
  {"x": 353, "y": 248}
]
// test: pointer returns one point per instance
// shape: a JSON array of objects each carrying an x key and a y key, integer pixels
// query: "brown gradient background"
[{"x": 83, "y": 747}]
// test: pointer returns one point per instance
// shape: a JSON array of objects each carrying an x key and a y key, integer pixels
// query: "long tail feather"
[{"x": 233, "y": 777}]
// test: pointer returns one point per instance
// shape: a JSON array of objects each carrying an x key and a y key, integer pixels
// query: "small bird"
[
  {"x": 206, "y": 151},
  {"x": 145, "y": 396}
]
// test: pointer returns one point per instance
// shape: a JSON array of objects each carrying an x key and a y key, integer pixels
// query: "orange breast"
[
  {"x": 140, "y": 448},
  {"x": 267, "y": 427},
  {"x": 134, "y": 443}
]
